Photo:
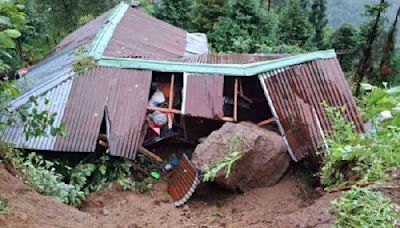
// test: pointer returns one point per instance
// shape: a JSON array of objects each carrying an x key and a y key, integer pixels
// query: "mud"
[{"x": 277, "y": 206}]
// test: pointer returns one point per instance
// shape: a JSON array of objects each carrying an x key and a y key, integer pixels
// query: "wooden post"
[
  {"x": 171, "y": 101},
  {"x": 235, "y": 100}
]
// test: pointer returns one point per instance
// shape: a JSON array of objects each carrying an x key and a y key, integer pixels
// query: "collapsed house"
[{"x": 132, "y": 51}]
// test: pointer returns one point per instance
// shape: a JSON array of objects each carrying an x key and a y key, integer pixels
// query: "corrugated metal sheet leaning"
[
  {"x": 296, "y": 95},
  {"x": 183, "y": 181}
]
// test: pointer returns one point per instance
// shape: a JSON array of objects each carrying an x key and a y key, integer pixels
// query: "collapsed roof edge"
[{"x": 251, "y": 69}]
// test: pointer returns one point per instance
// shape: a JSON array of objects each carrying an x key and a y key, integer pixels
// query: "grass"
[
  {"x": 3, "y": 206},
  {"x": 364, "y": 208}
]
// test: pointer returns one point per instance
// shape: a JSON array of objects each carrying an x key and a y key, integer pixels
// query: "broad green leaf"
[
  {"x": 5, "y": 41},
  {"x": 20, "y": 6},
  {"x": 394, "y": 91},
  {"x": 5, "y": 20},
  {"x": 366, "y": 86},
  {"x": 6, "y": 54},
  {"x": 13, "y": 33}
]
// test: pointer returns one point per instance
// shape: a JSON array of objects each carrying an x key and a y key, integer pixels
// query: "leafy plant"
[
  {"x": 361, "y": 207},
  {"x": 353, "y": 157},
  {"x": 84, "y": 64},
  {"x": 3, "y": 206},
  {"x": 12, "y": 20},
  {"x": 227, "y": 163},
  {"x": 85, "y": 19}
]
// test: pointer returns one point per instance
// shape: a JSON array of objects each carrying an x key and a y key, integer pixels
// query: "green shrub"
[
  {"x": 353, "y": 157},
  {"x": 3, "y": 206},
  {"x": 76, "y": 183},
  {"x": 364, "y": 208},
  {"x": 84, "y": 64}
]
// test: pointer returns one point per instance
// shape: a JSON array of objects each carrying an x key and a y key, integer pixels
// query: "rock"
[
  {"x": 264, "y": 156},
  {"x": 20, "y": 215},
  {"x": 105, "y": 212}
]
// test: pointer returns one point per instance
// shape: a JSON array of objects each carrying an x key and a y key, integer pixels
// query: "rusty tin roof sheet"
[
  {"x": 231, "y": 58},
  {"x": 203, "y": 96},
  {"x": 139, "y": 35},
  {"x": 123, "y": 93},
  {"x": 296, "y": 95},
  {"x": 126, "y": 110}
]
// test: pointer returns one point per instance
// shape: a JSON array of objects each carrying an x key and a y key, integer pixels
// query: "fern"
[{"x": 227, "y": 163}]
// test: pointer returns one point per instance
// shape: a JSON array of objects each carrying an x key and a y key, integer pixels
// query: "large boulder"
[{"x": 264, "y": 156}]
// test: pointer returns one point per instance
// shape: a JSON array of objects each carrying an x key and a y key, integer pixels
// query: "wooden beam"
[
  {"x": 175, "y": 111},
  {"x": 229, "y": 119},
  {"x": 171, "y": 101},
  {"x": 235, "y": 99},
  {"x": 266, "y": 122},
  {"x": 149, "y": 154}
]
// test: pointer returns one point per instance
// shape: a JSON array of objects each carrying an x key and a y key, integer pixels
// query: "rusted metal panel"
[
  {"x": 85, "y": 110},
  {"x": 123, "y": 93},
  {"x": 139, "y": 35},
  {"x": 84, "y": 34},
  {"x": 126, "y": 108},
  {"x": 297, "y": 94},
  {"x": 203, "y": 96},
  {"x": 231, "y": 58},
  {"x": 182, "y": 182}
]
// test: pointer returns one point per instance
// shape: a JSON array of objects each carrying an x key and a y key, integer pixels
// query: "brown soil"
[
  {"x": 392, "y": 187},
  {"x": 277, "y": 206}
]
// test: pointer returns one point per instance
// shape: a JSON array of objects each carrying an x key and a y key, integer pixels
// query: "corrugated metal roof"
[
  {"x": 57, "y": 68},
  {"x": 126, "y": 106},
  {"x": 84, "y": 34},
  {"x": 85, "y": 110},
  {"x": 231, "y": 58},
  {"x": 58, "y": 99},
  {"x": 123, "y": 93},
  {"x": 203, "y": 96},
  {"x": 139, "y": 35},
  {"x": 296, "y": 95}
]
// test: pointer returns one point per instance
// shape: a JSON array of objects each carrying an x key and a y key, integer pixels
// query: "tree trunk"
[
  {"x": 388, "y": 48},
  {"x": 365, "y": 66},
  {"x": 269, "y": 5}
]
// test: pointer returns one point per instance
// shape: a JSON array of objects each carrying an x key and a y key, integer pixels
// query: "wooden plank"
[
  {"x": 266, "y": 122},
  {"x": 171, "y": 101},
  {"x": 235, "y": 100},
  {"x": 175, "y": 111},
  {"x": 149, "y": 154}
]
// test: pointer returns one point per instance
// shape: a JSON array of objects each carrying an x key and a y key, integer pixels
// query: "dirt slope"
[
  {"x": 277, "y": 206},
  {"x": 30, "y": 209}
]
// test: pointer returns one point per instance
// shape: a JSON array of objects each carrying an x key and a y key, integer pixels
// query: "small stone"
[
  {"x": 105, "y": 212},
  {"x": 21, "y": 215}
]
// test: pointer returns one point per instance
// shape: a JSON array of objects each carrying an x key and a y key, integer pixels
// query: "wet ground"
[{"x": 279, "y": 206}]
